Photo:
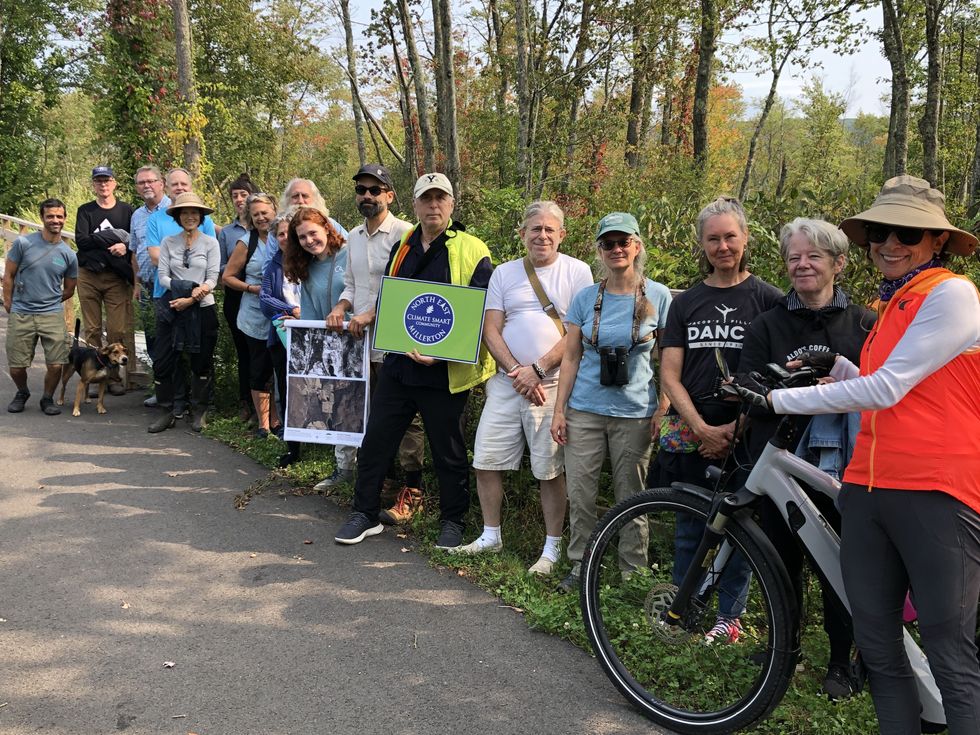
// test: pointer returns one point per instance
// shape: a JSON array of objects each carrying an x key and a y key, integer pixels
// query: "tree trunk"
[
  {"x": 743, "y": 188},
  {"x": 446, "y": 98},
  {"x": 523, "y": 97},
  {"x": 404, "y": 104},
  {"x": 929, "y": 122},
  {"x": 637, "y": 96},
  {"x": 352, "y": 76},
  {"x": 421, "y": 95},
  {"x": 702, "y": 86},
  {"x": 974, "y": 208},
  {"x": 575, "y": 91},
  {"x": 503, "y": 87},
  {"x": 897, "y": 147},
  {"x": 185, "y": 81}
]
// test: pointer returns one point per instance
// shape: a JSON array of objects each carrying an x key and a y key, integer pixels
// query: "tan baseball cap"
[
  {"x": 907, "y": 201},
  {"x": 433, "y": 181}
]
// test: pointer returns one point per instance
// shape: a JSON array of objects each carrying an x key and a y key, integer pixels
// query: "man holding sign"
[{"x": 437, "y": 250}]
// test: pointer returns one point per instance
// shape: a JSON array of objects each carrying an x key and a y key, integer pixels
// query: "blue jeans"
[{"x": 671, "y": 467}]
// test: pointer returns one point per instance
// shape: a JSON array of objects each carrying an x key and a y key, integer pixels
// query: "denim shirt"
[{"x": 828, "y": 441}]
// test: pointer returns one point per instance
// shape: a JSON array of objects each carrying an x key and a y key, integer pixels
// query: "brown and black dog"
[{"x": 100, "y": 366}]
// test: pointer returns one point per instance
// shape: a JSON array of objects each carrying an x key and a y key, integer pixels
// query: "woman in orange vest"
[{"x": 911, "y": 496}]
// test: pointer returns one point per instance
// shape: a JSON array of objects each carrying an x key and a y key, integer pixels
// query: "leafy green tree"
[{"x": 37, "y": 55}]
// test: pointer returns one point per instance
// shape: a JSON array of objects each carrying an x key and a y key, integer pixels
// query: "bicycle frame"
[{"x": 777, "y": 475}]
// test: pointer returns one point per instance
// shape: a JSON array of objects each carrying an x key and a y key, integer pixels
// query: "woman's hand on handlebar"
[{"x": 822, "y": 361}]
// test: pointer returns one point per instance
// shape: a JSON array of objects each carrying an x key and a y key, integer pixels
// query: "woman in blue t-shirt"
[
  {"x": 244, "y": 273},
  {"x": 606, "y": 388}
]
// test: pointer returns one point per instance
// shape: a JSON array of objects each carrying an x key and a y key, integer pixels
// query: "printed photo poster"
[{"x": 327, "y": 375}]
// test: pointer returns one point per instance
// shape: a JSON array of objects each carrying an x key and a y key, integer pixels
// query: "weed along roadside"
[{"x": 802, "y": 712}]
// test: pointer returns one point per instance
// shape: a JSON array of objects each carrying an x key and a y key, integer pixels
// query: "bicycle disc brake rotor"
[{"x": 658, "y": 601}]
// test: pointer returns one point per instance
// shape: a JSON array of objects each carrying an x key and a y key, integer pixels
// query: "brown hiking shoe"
[
  {"x": 390, "y": 490},
  {"x": 408, "y": 503}
]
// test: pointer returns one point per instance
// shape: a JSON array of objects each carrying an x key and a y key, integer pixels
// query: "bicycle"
[{"x": 647, "y": 625}]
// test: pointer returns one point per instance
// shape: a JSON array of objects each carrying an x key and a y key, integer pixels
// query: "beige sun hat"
[
  {"x": 906, "y": 201},
  {"x": 188, "y": 200}
]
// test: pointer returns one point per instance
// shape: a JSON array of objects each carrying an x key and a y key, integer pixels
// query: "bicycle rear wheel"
[{"x": 670, "y": 673}]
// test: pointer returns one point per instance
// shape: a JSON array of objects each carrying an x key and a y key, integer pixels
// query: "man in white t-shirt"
[{"x": 527, "y": 341}]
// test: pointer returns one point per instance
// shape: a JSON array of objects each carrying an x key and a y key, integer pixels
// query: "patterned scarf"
[{"x": 888, "y": 287}]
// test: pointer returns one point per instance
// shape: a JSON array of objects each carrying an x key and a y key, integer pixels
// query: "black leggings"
[
  {"x": 232, "y": 300},
  {"x": 894, "y": 539},
  {"x": 259, "y": 364}
]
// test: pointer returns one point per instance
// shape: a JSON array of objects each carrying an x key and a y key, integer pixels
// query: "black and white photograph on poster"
[
  {"x": 327, "y": 392},
  {"x": 325, "y": 353}
]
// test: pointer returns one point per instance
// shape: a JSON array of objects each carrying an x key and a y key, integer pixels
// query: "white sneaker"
[
  {"x": 542, "y": 566},
  {"x": 475, "y": 547}
]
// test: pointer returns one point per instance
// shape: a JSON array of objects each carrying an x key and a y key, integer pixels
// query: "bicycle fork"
[{"x": 709, "y": 559}]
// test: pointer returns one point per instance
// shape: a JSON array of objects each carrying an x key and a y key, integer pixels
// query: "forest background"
[{"x": 600, "y": 105}]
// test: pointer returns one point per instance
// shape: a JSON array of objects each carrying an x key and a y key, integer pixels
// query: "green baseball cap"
[{"x": 618, "y": 222}]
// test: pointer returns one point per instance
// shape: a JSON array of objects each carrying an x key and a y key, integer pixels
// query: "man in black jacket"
[{"x": 106, "y": 266}]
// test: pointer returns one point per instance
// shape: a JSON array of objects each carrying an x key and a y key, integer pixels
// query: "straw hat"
[
  {"x": 905, "y": 201},
  {"x": 188, "y": 200}
]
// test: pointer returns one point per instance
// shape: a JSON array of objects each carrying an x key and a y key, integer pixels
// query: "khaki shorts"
[
  {"x": 23, "y": 332},
  {"x": 509, "y": 421}
]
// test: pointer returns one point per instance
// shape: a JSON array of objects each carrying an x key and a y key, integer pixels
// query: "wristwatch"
[{"x": 539, "y": 370}]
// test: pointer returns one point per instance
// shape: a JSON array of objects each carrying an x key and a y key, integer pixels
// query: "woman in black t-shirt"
[{"x": 697, "y": 432}]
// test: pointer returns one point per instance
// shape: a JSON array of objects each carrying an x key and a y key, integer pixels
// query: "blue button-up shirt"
[
  {"x": 137, "y": 240},
  {"x": 161, "y": 225}
]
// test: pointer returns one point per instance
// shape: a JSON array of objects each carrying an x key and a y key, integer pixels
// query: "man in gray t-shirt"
[{"x": 40, "y": 273}]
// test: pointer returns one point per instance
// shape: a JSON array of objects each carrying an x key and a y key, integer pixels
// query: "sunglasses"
[
  {"x": 608, "y": 245},
  {"x": 376, "y": 191},
  {"x": 187, "y": 258},
  {"x": 905, "y": 235}
]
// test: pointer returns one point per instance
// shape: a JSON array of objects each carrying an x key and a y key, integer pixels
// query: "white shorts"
[{"x": 508, "y": 423}]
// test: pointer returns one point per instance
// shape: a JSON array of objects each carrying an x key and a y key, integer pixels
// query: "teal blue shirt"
[
  {"x": 322, "y": 288},
  {"x": 42, "y": 268},
  {"x": 637, "y": 399}
]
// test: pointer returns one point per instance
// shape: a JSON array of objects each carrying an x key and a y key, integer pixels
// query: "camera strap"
[
  {"x": 547, "y": 305},
  {"x": 637, "y": 307}
]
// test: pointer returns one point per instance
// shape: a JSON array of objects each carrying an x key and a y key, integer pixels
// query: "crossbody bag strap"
[
  {"x": 547, "y": 305},
  {"x": 40, "y": 259}
]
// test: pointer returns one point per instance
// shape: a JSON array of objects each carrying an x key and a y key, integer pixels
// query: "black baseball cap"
[
  {"x": 377, "y": 171},
  {"x": 100, "y": 171}
]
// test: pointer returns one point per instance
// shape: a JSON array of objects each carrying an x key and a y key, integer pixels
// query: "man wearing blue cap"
[{"x": 106, "y": 272}]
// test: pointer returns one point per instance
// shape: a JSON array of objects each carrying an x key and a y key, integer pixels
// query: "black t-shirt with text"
[{"x": 707, "y": 317}]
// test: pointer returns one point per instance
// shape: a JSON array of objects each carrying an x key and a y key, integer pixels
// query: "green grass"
[{"x": 802, "y": 712}]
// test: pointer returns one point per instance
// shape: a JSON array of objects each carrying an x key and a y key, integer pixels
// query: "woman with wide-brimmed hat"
[
  {"x": 911, "y": 496},
  {"x": 186, "y": 320}
]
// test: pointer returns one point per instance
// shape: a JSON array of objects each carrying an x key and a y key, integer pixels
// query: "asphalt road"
[{"x": 121, "y": 550}]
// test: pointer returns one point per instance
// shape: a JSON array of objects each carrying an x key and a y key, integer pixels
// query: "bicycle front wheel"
[{"x": 683, "y": 677}]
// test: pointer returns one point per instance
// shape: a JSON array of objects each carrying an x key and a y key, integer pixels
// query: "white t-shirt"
[{"x": 528, "y": 331}]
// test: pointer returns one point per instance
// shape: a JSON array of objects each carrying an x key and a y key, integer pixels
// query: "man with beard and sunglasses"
[{"x": 368, "y": 249}]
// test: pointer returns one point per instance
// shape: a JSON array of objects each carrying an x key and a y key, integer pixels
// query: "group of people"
[{"x": 570, "y": 367}]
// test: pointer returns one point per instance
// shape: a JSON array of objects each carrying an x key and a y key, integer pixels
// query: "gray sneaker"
[
  {"x": 357, "y": 528},
  {"x": 338, "y": 477},
  {"x": 20, "y": 400},
  {"x": 450, "y": 535}
]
